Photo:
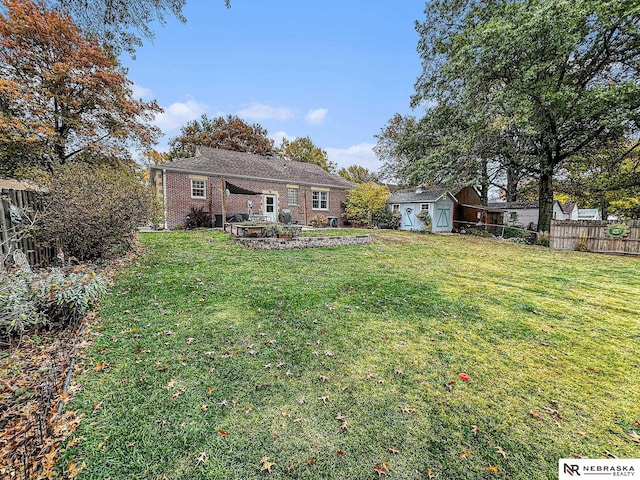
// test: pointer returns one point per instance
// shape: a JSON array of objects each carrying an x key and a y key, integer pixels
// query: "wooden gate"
[{"x": 17, "y": 210}]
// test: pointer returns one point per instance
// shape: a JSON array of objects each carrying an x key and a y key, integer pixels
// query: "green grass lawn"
[{"x": 335, "y": 363}]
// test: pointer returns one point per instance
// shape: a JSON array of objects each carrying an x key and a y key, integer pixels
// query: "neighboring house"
[
  {"x": 569, "y": 212},
  {"x": 589, "y": 214},
  {"x": 243, "y": 185},
  {"x": 438, "y": 201},
  {"x": 525, "y": 214}
]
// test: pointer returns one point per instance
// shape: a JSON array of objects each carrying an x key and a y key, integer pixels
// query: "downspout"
[{"x": 164, "y": 198}]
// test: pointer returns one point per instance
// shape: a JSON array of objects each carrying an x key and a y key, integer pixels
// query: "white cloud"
[
  {"x": 361, "y": 154},
  {"x": 317, "y": 116},
  {"x": 141, "y": 92},
  {"x": 260, "y": 111},
  {"x": 279, "y": 136},
  {"x": 178, "y": 114}
]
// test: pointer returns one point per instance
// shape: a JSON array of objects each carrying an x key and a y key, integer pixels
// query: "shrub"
[
  {"x": 93, "y": 210},
  {"x": 478, "y": 233},
  {"x": 318, "y": 221},
  {"x": 30, "y": 300},
  {"x": 198, "y": 218},
  {"x": 582, "y": 243},
  {"x": 366, "y": 204},
  {"x": 543, "y": 239}
]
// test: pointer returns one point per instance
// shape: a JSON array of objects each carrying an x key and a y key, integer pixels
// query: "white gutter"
[{"x": 164, "y": 198}]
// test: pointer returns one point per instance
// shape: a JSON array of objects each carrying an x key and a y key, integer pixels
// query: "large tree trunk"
[
  {"x": 545, "y": 198},
  {"x": 484, "y": 184},
  {"x": 511, "y": 192}
]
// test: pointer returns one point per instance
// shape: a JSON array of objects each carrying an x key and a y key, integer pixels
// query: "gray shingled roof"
[
  {"x": 215, "y": 161},
  {"x": 428, "y": 194},
  {"x": 514, "y": 205}
]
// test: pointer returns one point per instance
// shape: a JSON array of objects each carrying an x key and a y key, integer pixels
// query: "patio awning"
[{"x": 238, "y": 190}]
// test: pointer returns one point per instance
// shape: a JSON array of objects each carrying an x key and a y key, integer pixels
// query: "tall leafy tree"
[
  {"x": 387, "y": 148},
  {"x": 366, "y": 204},
  {"x": 358, "y": 174},
  {"x": 228, "y": 133},
  {"x": 122, "y": 24},
  {"x": 302, "y": 149},
  {"x": 62, "y": 95},
  {"x": 608, "y": 180},
  {"x": 563, "y": 74}
]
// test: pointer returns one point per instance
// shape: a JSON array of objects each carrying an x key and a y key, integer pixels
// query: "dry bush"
[{"x": 93, "y": 210}]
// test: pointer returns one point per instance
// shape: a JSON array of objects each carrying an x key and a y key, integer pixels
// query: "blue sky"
[{"x": 333, "y": 70}]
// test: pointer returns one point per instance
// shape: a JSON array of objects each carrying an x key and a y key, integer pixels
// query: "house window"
[
  {"x": 292, "y": 196},
  {"x": 424, "y": 206},
  {"x": 198, "y": 188},
  {"x": 319, "y": 200},
  {"x": 395, "y": 207}
]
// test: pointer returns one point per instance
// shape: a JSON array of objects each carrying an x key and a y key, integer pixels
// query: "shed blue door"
[{"x": 408, "y": 219}]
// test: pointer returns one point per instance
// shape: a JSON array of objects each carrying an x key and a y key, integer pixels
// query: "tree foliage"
[
  {"x": 358, "y": 174},
  {"x": 561, "y": 77},
  {"x": 122, "y": 24},
  {"x": 366, "y": 204},
  {"x": 228, "y": 133},
  {"x": 608, "y": 180},
  {"x": 302, "y": 149},
  {"x": 93, "y": 210},
  {"x": 61, "y": 94}
]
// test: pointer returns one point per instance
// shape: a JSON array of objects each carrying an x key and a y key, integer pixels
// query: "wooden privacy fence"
[
  {"x": 17, "y": 210},
  {"x": 596, "y": 236}
]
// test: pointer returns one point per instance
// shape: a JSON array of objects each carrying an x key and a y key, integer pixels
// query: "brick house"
[{"x": 252, "y": 185}]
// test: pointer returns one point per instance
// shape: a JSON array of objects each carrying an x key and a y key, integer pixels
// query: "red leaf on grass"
[{"x": 464, "y": 377}]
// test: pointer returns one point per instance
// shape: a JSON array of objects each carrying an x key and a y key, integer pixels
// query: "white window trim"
[
  {"x": 204, "y": 188},
  {"x": 320, "y": 193},
  {"x": 297, "y": 195}
]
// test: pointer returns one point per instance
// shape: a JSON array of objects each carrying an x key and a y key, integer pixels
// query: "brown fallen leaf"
[
  {"x": 393, "y": 450},
  {"x": 204, "y": 407},
  {"x": 493, "y": 469},
  {"x": 311, "y": 461},
  {"x": 223, "y": 434},
  {"x": 407, "y": 410},
  {"x": 464, "y": 454},
  {"x": 210, "y": 390},
  {"x": 430, "y": 474},
  {"x": 341, "y": 453},
  {"x": 475, "y": 429},
  {"x": 635, "y": 437},
  {"x": 248, "y": 410},
  {"x": 381, "y": 469},
  {"x": 266, "y": 465},
  {"x": 100, "y": 366},
  {"x": 324, "y": 399},
  {"x": 96, "y": 406},
  {"x": 535, "y": 415},
  {"x": 500, "y": 451},
  {"x": 291, "y": 467},
  {"x": 179, "y": 392}
]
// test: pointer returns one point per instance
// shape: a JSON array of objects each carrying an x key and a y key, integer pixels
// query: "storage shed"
[{"x": 410, "y": 202}]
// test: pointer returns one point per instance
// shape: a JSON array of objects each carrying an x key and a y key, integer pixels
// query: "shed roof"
[
  {"x": 419, "y": 195},
  {"x": 215, "y": 161},
  {"x": 515, "y": 205}
]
